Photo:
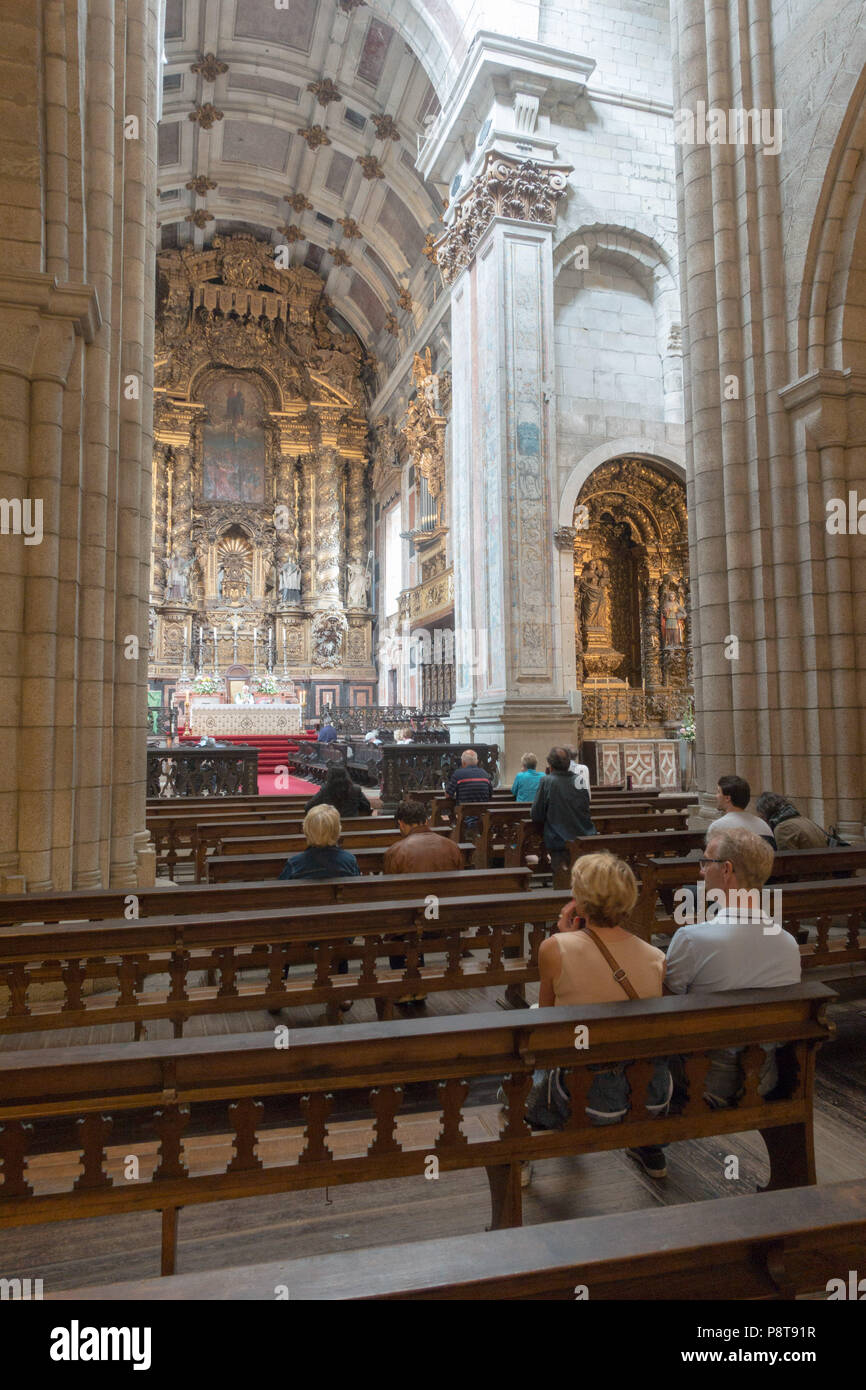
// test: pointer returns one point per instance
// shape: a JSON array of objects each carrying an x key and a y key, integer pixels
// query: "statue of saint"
[
  {"x": 358, "y": 582},
  {"x": 595, "y": 582},
  {"x": 177, "y": 588},
  {"x": 673, "y": 618},
  {"x": 290, "y": 581}
]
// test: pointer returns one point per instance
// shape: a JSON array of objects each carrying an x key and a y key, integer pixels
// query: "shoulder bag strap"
[{"x": 618, "y": 973}]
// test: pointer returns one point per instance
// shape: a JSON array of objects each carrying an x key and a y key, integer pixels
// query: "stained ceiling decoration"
[{"x": 301, "y": 125}]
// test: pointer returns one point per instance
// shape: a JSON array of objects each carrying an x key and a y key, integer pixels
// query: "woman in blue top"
[
  {"x": 526, "y": 782},
  {"x": 323, "y": 859}
]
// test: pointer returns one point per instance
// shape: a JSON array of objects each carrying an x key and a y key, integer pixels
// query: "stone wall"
[
  {"x": 774, "y": 268},
  {"x": 77, "y": 183}
]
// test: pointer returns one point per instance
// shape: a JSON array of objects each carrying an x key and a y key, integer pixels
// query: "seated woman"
[
  {"x": 338, "y": 790},
  {"x": 322, "y": 859},
  {"x": 577, "y": 966}
]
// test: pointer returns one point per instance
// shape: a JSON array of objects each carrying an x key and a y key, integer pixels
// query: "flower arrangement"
[
  {"x": 207, "y": 685},
  {"x": 266, "y": 685},
  {"x": 687, "y": 728}
]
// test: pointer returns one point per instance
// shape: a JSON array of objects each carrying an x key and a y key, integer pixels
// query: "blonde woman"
[
  {"x": 323, "y": 859},
  {"x": 594, "y": 959}
]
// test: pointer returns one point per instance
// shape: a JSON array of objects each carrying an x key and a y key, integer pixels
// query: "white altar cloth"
[{"x": 237, "y": 720}]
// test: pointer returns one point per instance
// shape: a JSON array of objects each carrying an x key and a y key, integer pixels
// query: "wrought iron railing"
[{"x": 360, "y": 719}]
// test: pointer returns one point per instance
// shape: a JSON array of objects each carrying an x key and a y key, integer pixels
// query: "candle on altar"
[
  {"x": 255, "y": 646},
  {"x": 215, "y": 656}
]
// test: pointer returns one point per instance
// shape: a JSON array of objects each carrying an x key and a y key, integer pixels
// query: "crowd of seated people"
[{"x": 593, "y": 957}]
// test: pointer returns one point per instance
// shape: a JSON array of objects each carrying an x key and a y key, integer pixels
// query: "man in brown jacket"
[{"x": 418, "y": 851}]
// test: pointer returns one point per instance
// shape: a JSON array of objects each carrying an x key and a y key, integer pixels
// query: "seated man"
[
  {"x": 732, "y": 798},
  {"x": 327, "y": 733},
  {"x": 469, "y": 782},
  {"x": 418, "y": 851},
  {"x": 525, "y": 784},
  {"x": 791, "y": 830},
  {"x": 738, "y": 949},
  {"x": 560, "y": 810}
]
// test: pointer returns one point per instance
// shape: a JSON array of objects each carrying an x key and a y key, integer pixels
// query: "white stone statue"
[
  {"x": 290, "y": 581},
  {"x": 358, "y": 584},
  {"x": 178, "y": 579}
]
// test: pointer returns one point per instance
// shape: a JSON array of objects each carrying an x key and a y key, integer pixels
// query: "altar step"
[{"x": 275, "y": 750}]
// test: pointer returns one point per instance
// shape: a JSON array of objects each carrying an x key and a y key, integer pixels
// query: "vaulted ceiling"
[{"x": 323, "y": 103}]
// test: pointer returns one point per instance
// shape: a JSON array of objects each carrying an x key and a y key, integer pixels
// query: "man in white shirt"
[
  {"x": 580, "y": 771},
  {"x": 740, "y": 948},
  {"x": 732, "y": 797}
]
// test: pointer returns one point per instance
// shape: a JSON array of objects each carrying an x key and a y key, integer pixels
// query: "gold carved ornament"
[
  {"x": 527, "y": 192},
  {"x": 425, "y": 427}
]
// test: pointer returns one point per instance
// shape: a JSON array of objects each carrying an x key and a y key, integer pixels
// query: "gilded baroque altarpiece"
[{"x": 260, "y": 477}]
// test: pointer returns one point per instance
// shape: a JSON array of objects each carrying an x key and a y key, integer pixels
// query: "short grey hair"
[
  {"x": 469, "y": 758},
  {"x": 750, "y": 856}
]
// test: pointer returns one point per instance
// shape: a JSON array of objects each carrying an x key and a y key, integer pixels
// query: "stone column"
[
  {"x": 512, "y": 646},
  {"x": 779, "y": 670}
]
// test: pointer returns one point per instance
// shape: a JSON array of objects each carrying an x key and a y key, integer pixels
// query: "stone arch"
[
  {"x": 631, "y": 528},
  {"x": 665, "y": 456},
  {"x": 650, "y": 264},
  {"x": 836, "y": 256}
]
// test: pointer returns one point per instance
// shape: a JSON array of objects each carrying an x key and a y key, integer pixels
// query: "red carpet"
[
  {"x": 296, "y": 785},
  {"x": 275, "y": 750}
]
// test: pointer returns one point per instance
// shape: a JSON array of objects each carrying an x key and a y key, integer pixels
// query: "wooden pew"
[
  {"x": 101, "y": 903},
  {"x": 495, "y": 830},
  {"x": 661, "y": 878},
  {"x": 817, "y": 905},
  {"x": 249, "y": 868},
  {"x": 121, "y": 955},
  {"x": 245, "y": 1118},
  {"x": 208, "y": 834},
  {"x": 636, "y": 849},
  {"x": 279, "y": 841},
  {"x": 762, "y": 1245}
]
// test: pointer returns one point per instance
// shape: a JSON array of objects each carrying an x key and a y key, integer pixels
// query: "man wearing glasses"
[{"x": 740, "y": 948}]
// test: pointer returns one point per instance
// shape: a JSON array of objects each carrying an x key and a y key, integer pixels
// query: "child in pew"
[
  {"x": 594, "y": 959},
  {"x": 323, "y": 859}
]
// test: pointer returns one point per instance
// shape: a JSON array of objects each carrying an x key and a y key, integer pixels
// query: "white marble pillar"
[{"x": 512, "y": 681}]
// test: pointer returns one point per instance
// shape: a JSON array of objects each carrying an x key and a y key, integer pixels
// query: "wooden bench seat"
[
  {"x": 248, "y": 868},
  {"x": 237, "y": 1091},
  {"x": 766, "y": 1245},
  {"x": 277, "y": 840},
  {"x": 661, "y": 878},
  {"x": 125, "y": 957},
  {"x": 208, "y": 834},
  {"x": 100, "y": 903}
]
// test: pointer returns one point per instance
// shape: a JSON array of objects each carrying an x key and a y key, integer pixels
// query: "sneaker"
[{"x": 651, "y": 1159}]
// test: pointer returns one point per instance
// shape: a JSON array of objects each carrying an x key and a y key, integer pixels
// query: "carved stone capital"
[
  {"x": 564, "y": 537},
  {"x": 527, "y": 192}
]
